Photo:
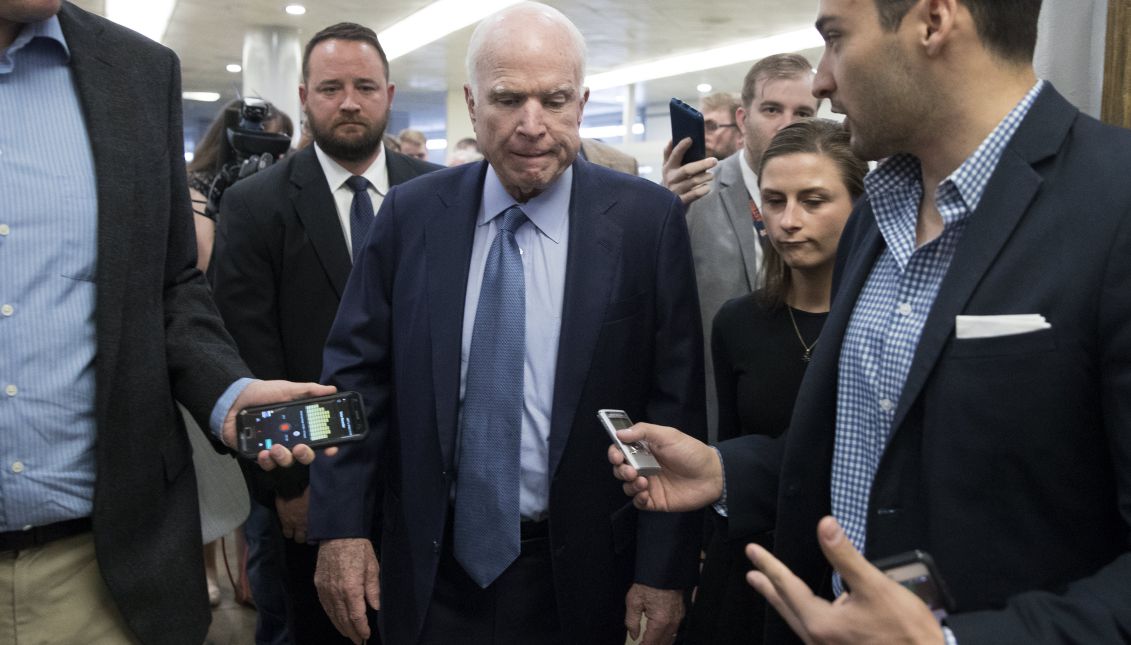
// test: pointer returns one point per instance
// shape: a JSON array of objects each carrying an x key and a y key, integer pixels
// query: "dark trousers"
[{"x": 518, "y": 607}]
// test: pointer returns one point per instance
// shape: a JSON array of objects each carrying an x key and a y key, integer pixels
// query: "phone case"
[
  {"x": 246, "y": 431},
  {"x": 688, "y": 122}
]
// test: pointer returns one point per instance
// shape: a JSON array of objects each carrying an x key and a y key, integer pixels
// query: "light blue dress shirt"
[
  {"x": 48, "y": 273},
  {"x": 48, "y": 268},
  {"x": 544, "y": 241}
]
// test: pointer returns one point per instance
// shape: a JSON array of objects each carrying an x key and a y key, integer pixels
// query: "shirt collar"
[
  {"x": 377, "y": 173},
  {"x": 548, "y": 211},
  {"x": 48, "y": 29}
]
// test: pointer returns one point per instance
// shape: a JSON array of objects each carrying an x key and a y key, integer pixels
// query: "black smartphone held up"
[
  {"x": 688, "y": 122},
  {"x": 916, "y": 571},
  {"x": 318, "y": 422},
  {"x": 636, "y": 453}
]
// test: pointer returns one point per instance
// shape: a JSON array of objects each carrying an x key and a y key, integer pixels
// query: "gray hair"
[{"x": 481, "y": 36}]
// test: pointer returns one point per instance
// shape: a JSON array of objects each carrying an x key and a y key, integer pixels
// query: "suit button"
[{"x": 436, "y": 547}]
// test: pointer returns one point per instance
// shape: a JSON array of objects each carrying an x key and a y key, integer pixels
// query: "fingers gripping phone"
[
  {"x": 318, "y": 422},
  {"x": 688, "y": 122},
  {"x": 916, "y": 571},
  {"x": 636, "y": 453}
]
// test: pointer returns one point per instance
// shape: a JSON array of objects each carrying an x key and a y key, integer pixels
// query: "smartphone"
[
  {"x": 317, "y": 422},
  {"x": 688, "y": 122},
  {"x": 636, "y": 453},
  {"x": 916, "y": 571}
]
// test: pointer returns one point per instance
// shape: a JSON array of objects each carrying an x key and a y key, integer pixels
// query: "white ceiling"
[{"x": 208, "y": 34}]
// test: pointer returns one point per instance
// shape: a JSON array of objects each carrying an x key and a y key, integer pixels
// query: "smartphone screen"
[{"x": 316, "y": 422}]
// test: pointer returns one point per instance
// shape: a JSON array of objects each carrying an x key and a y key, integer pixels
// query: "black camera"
[
  {"x": 249, "y": 138},
  {"x": 255, "y": 149}
]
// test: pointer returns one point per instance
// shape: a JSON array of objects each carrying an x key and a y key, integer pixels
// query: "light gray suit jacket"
[{"x": 727, "y": 256}]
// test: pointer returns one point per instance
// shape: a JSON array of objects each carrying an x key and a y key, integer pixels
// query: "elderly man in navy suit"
[{"x": 494, "y": 308}]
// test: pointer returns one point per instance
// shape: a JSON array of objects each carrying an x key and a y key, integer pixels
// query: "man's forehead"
[
  {"x": 784, "y": 90},
  {"x": 831, "y": 12}
]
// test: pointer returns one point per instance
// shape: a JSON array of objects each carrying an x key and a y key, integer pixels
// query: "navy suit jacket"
[
  {"x": 630, "y": 338},
  {"x": 1010, "y": 457}
]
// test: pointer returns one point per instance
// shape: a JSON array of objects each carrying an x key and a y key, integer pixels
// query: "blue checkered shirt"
[{"x": 883, "y": 332}]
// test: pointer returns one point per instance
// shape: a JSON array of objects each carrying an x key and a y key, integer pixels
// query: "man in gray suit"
[{"x": 725, "y": 243}]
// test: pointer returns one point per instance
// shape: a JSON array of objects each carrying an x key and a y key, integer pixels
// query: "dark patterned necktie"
[
  {"x": 486, "y": 529},
  {"x": 361, "y": 212}
]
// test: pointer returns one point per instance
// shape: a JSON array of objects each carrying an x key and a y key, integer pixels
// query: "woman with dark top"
[{"x": 762, "y": 342}]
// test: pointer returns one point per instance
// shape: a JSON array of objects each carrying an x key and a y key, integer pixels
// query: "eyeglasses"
[{"x": 711, "y": 126}]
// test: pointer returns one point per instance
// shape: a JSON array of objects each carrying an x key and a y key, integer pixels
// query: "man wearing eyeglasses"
[{"x": 723, "y": 137}]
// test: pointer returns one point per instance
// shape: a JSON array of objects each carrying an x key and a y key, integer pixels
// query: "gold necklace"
[{"x": 808, "y": 348}]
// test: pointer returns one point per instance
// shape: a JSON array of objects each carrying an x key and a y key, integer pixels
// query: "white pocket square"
[{"x": 992, "y": 326}]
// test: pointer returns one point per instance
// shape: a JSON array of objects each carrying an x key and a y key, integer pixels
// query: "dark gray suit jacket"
[
  {"x": 159, "y": 336},
  {"x": 727, "y": 256}
]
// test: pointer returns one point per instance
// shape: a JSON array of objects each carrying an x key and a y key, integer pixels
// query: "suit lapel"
[
  {"x": 448, "y": 237},
  {"x": 314, "y": 205},
  {"x": 591, "y": 265},
  {"x": 398, "y": 167},
  {"x": 110, "y": 113},
  {"x": 1007, "y": 198},
  {"x": 736, "y": 204}
]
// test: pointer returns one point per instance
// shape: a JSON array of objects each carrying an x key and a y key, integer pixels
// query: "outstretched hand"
[
  {"x": 877, "y": 610},
  {"x": 690, "y": 478}
]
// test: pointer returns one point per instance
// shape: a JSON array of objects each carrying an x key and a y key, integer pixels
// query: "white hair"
[{"x": 535, "y": 10}]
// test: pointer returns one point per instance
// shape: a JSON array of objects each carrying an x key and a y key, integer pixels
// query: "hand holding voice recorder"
[
  {"x": 636, "y": 453},
  {"x": 318, "y": 422}
]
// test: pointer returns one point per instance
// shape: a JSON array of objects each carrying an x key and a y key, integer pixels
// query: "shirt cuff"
[
  {"x": 949, "y": 636},
  {"x": 721, "y": 505},
  {"x": 224, "y": 404}
]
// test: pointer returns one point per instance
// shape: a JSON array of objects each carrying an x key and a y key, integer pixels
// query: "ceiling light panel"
[
  {"x": 748, "y": 50},
  {"x": 434, "y": 22}
]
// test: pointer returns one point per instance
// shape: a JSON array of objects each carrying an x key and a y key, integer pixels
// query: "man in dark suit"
[
  {"x": 971, "y": 394},
  {"x": 283, "y": 256},
  {"x": 106, "y": 322},
  {"x": 494, "y": 309}
]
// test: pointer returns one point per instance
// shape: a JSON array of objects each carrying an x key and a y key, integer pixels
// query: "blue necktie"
[
  {"x": 486, "y": 528},
  {"x": 361, "y": 212}
]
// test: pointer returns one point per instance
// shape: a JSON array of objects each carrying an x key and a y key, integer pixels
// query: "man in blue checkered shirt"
[{"x": 971, "y": 396}]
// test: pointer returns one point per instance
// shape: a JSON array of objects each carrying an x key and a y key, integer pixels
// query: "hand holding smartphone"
[
  {"x": 688, "y": 122},
  {"x": 636, "y": 453},
  {"x": 916, "y": 571},
  {"x": 317, "y": 422}
]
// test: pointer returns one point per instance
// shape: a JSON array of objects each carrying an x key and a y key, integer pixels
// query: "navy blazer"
[
  {"x": 1010, "y": 457},
  {"x": 630, "y": 338}
]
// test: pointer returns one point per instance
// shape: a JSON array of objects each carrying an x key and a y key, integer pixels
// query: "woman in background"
[
  {"x": 212, "y": 154},
  {"x": 762, "y": 342}
]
